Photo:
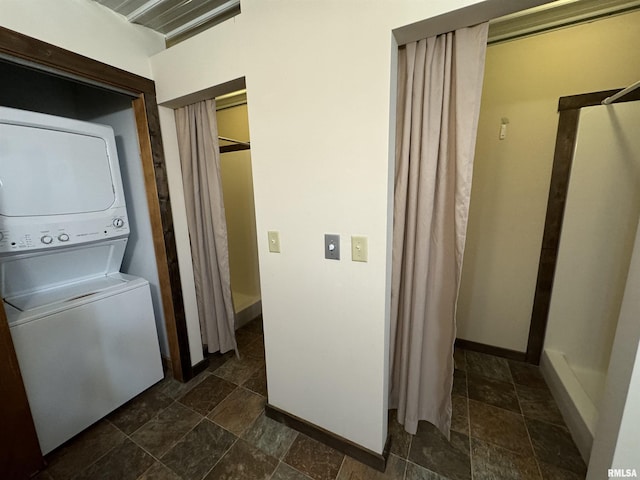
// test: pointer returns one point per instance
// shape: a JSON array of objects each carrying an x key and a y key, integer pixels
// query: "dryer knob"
[
  {"x": 63, "y": 237},
  {"x": 46, "y": 239},
  {"x": 118, "y": 222}
]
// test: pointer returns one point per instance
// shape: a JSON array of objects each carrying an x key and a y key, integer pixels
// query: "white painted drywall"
[
  {"x": 181, "y": 232},
  {"x": 523, "y": 81},
  {"x": 616, "y": 441},
  {"x": 84, "y": 27},
  {"x": 598, "y": 232},
  {"x": 319, "y": 81}
]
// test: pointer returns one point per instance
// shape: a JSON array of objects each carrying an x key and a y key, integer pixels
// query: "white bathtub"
[{"x": 577, "y": 393}]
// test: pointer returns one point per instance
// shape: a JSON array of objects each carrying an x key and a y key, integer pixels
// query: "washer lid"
[
  {"x": 52, "y": 172},
  {"x": 64, "y": 294}
]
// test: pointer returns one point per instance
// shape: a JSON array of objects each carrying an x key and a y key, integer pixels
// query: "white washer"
[{"x": 85, "y": 354}]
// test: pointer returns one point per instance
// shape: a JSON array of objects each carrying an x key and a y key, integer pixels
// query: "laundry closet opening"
[
  {"x": 38, "y": 91},
  {"x": 237, "y": 188}
]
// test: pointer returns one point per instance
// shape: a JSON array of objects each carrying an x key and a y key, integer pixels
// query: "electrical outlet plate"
[
  {"x": 332, "y": 247},
  {"x": 274, "y": 241},
  {"x": 359, "y": 249}
]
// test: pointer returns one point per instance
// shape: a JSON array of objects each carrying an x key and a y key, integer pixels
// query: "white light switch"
[
  {"x": 274, "y": 241},
  {"x": 359, "y": 250}
]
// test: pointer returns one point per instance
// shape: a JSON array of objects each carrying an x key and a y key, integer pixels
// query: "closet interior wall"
[{"x": 237, "y": 187}]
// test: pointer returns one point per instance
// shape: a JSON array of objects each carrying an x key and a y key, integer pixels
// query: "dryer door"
[{"x": 52, "y": 172}]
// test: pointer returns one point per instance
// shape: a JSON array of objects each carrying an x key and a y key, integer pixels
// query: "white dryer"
[{"x": 84, "y": 333}]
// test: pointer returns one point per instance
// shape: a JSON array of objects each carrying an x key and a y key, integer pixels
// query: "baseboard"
[
  {"x": 363, "y": 455},
  {"x": 491, "y": 350},
  {"x": 166, "y": 364},
  {"x": 201, "y": 366}
]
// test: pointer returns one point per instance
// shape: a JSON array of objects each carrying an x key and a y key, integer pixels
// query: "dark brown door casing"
[{"x": 20, "y": 454}]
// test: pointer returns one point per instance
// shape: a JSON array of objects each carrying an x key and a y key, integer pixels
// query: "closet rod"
[
  {"x": 613, "y": 98},
  {"x": 227, "y": 139}
]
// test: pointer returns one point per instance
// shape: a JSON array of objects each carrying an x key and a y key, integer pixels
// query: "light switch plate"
[
  {"x": 359, "y": 249},
  {"x": 274, "y": 241},
  {"x": 332, "y": 247}
]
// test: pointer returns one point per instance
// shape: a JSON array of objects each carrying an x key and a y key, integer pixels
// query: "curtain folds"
[
  {"x": 200, "y": 161},
  {"x": 439, "y": 90}
]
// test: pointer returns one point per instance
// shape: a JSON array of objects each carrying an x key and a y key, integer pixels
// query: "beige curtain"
[
  {"x": 439, "y": 89},
  {"x": 200, "y": 160}
]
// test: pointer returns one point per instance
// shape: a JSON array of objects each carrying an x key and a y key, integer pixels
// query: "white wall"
[
  {"x": 84, "y": 27},
  {"x": 237, "y": 187},
  {"x": 523, "y": 81},
  {"x": 616, "y": 441},
  {"x": 319, "y": 79},
  {"x": 600, "y": 222}
]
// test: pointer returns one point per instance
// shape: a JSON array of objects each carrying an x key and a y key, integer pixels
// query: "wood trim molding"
[
  {"x": 20, "y": 455},
  {"x": 18, "y": 48},
  {"x": 162, "y": 222},
  {"x": 363, "y": 455},
  {"x": 569, "y": 110},
  {"x": 490, "y": 349},
  {"x": 43, "y": 55},
  {"x": 20, "y": 449},
  {"x": 234, "y": 148}
]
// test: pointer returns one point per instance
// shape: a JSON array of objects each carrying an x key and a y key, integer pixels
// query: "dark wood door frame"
[
  {"x": 569, "y": 111},
  {"x": 20, "y": 453}
]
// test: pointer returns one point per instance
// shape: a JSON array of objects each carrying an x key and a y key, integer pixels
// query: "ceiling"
[
  {"x": 555, "y": 15},
  {"x": 175, "y": 19},
  {"x": 181, "y": 19}
]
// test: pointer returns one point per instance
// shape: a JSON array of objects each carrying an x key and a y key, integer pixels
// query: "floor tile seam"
[
  {"x": 156, "y": 415},
  {"x": 422, "y": 467},
  {"x": 176, "y": 442},
  {"x": 344, "y": 459},
  {"x": 496, "y": 406},
  {"x": 249, "y": 390},
  {"x": 535, "y": 459},
  {"x": 193, "y": 410},
  {"x": 561, "y": 425},
  {"x": 533, "y": 452},
  {"x": 221, "y": 458},
  {"x": 220, "y": 402},
  {"x": 203, "y": 375},
  {"x": 76, "y": 474},
  {"x": 493, "y": 379},
  {"x": 469, "y": 429},
  {"x": 546, "y": 422},
  {"x": 222, "y": 378},
  {"x": 209, "y": 411},
  {"x": 226, "y": 429},
  {"x": 404, "y": 471},
  {"x": 545, "y": 387}
]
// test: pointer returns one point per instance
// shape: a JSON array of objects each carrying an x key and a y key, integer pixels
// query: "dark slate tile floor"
[{"x": 505, "y": 425}]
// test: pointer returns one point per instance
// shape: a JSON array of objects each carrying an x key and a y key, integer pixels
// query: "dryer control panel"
[{"x": 23, "y": 236}]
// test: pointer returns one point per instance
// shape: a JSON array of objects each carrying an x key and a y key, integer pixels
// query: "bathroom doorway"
[{"x": 237, "y": 188}]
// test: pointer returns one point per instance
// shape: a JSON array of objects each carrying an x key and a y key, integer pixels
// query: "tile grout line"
[
  {"x": 344, "y": 459},
  {"x": 466, "y": 384},
  {"x": 533, "y": 450},
  {"x": 220, "y": 459}
]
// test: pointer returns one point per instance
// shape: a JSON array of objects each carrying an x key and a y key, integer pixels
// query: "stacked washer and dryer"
[{"x": 84, "y": 333}]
